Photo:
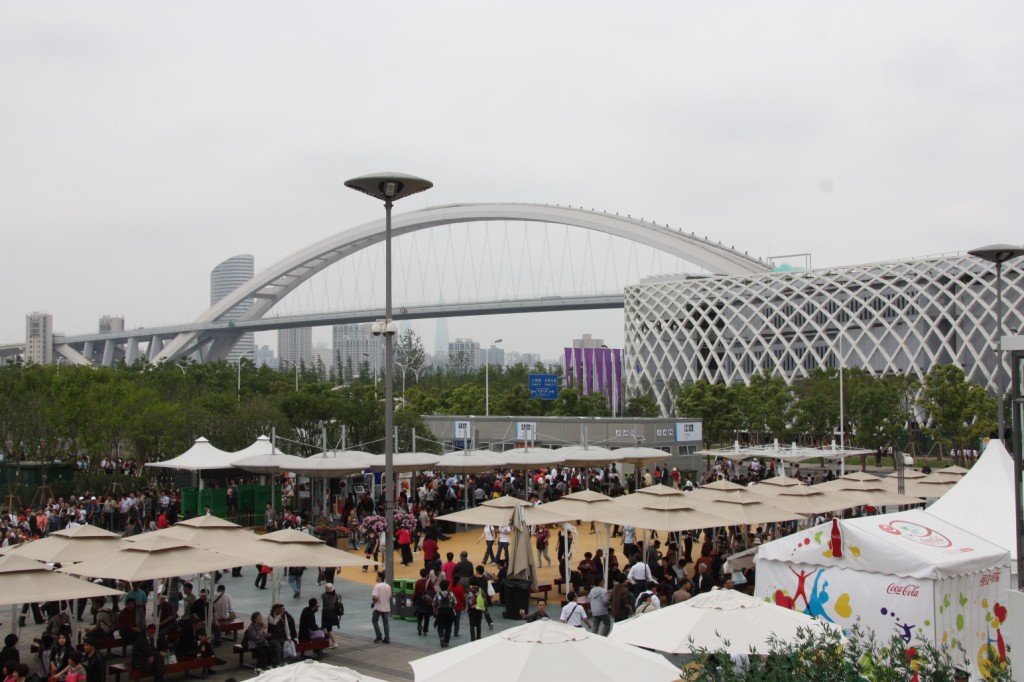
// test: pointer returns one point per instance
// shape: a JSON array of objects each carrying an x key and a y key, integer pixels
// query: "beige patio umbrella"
[
  {"x": 932, "y": 485},
  {"x": 866, "y": 489},
  {"x": 521, "y": 563},
  {"x": 404, "y": 462},
  {"x": 500, "y": 511},
  {"x": 805, "y": 500},
  {"x": 151, "y": 557},
  {"x": 532, "y": 457},
  {"x": 70, "y": 545},
  {"x": 206, "y": 531},
  {"x": 638, "y": 454},
  {"x": 24, "y": 581},
  {"x": 589, "y": 455},
  {"x": 670, "y": 513},
  {"x": 643, "y": 495},
  {"x": 586, "y": 506},
  {"x": 775, "y": 485},
  {"x": 469, "y": 461},
  {"x": 332, "y": 464},
  {"x": 746, "y": 508}
]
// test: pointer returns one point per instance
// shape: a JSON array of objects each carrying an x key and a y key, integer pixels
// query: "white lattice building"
[{"x": 894, "y": 317}]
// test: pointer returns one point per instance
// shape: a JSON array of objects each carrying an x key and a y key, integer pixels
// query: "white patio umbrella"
[
  {"x": 206, "y": 531},
  {"x": 313, "y": 671},
  {"x": 644, "y": 495},
  {"x": 746, "y": 508},
  {"x": 638, "y": 454},
  {"x": 151, "y": 557},
  {"x": 69, "y": 545},
  {"x": 589, "y": 455},
  {"x": 545, "y": 651},
  {"x": 406, "y": 461},
  {"x": 775, "y": 485},
  {"x": 332, "y": 464},
  {"x": 268, "y": 464},
  {"x": 531, "y": 458},
  {"x": 710, "y": 619},
  {"x": 469, "y": 461},
  {"x": 806, "y": 500}
]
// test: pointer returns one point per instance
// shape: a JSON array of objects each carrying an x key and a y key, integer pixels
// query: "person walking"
[
  {"x": 330, "y": 617},
  {"x": 542, "y": 536},
  {"x": 380, "y": 602},
  {"x": 444, "y": 612},
  {"x": 504, "y": 536},
  {"x": 475, "y": 609},
  {"x": 572, "y": 613},
  {"x": 262, "y": 571},
  {"x": 372, "y": 547},
  {"x": 295, "y": 580},
  {"x": 488, "y": 537},
  {"x": 598, "y": 596},
  {"x": 423, "y": 594}
]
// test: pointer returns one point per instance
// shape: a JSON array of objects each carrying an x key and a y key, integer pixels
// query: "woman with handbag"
[
  {"x": 330, "y": 617},
  {"x": 423, "y": 602}
]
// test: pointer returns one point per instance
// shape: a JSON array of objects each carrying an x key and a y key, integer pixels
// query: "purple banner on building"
[{"x": 567, "y": 368}]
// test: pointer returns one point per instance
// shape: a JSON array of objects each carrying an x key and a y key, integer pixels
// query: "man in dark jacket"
[
  {"x": 147, "y": 657},
  {"x": 95, "y": 666}
]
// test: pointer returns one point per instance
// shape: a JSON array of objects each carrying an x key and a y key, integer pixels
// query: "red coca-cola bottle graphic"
[{"x": 836, "y": 543}]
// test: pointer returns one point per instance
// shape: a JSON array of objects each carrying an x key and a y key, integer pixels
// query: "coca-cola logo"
[
  {"x": 989, "y": 578},
  {"x": 915, "y": 532},
  {"x": 909, "y": 590}
]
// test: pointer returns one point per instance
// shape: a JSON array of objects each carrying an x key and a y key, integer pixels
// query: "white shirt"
[
  {"x": 503, "y": 534},
  {"x": 639, "y": 572},
  {"x": 573, "y": 614}
]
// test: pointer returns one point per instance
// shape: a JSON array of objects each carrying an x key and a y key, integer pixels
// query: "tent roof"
[
  {"x": 982, "y": 501},
  {"x": 912, "y": 544},
  {"x": 202, "y": 456},
  {"x": 787, "y": 453}
]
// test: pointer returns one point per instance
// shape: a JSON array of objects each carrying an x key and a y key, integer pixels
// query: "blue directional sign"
[{"x": 544, "y": 386}]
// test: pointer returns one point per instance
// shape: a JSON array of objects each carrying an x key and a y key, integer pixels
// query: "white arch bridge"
[{"x": 213, "y": 334}]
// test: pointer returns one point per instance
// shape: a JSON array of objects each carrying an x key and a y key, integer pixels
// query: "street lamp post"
[
  {"x": 999, "y": 254},
  {"x": 487, "y": 377},
  {"x": 296, "y": 366},
  {"x": 389, "y": 187},
  {"x": 238, "y": 388}
]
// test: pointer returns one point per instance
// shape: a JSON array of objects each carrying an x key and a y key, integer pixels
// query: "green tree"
[
  {"x": 816, "y": 409},
  {"x": 766, "y": 406},
  {"x": 642, "y": 403},
  {"x": 960, "y": 412},
  {"x": 715, "y": 404}
]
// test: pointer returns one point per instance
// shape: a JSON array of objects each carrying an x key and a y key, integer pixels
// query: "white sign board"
[
  {"x": 689, "y": 431},
  {"x": 526, "y": 431},
  {"x": 461, "y": 430}
]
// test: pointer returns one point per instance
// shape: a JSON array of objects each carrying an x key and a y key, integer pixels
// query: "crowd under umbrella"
[
  {"x": 24, "y": 581},
  {"x": 289, "y": 548},
  {"x": 585, "y": 506},
  {"x": 717, "y": 620},
  {"x": 67, "y": 546},
  {"x": 544, "y": 651},
  {"x": 313, "y": 671},
  {"x": 500, "y": 511}
]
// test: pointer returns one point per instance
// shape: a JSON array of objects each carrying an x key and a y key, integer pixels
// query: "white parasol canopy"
[
  {"x": 531, "y": 458},
  {"x": 586, "y": 505},
  {"x": 866, "y": 489},
  {"x": 207, "y": 531},
  {"x": 290, "y": 547},
  {"x": 202, "y": 456},
  {"x": 469, "y": 461},
  {"x": 711, "y": 619},
  {"x": 313, "y": 671},
  {"x": 151, "y": 557},
  {"x": 405, "y": 461},
  {"x": 332, "y": 464},
  {"x": 589, "y": 455},
  {"x": 638, "y": 454},
  {"x": 545, "y": 651}
]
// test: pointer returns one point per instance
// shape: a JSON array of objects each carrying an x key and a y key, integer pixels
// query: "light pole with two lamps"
[
  {"x": 487, "y": 377},
  {"x": 999, "y": 254},
  {"x": 296, "y": 366},
  {"x": 389, "y": 187}
]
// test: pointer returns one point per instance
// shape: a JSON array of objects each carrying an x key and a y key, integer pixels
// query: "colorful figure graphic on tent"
[
  {"x": 819, "y": 597},
  {"x": 801, "y": 587},
  {"x": 907, "y": 631}
]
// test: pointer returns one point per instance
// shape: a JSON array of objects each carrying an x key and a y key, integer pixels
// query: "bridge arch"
[{"x": 271, "y": 285}]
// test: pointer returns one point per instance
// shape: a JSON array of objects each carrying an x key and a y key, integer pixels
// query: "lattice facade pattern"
[{"x": 895, "y": 317}]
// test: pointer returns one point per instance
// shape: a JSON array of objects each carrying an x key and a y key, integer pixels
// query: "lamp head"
[
  {"x": 997, "y": 253},
  {"x": 389, "y": 186}
]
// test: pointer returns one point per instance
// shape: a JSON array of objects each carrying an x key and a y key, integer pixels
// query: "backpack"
[{"x": 444, "y": 604}]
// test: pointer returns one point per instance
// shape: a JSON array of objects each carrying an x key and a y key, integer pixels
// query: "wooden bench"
[
  {"x": 184, "y": 666},
  {"x": 103, "y": 644},
  {"x": 545, "y": 588},
  {"x": 232, "y": 626},
  {"x": 300, "y": 648},
  {"x": 560, "y": 584}
]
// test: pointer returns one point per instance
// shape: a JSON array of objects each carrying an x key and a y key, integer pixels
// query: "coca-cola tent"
[{"x": 907, "y": 573}]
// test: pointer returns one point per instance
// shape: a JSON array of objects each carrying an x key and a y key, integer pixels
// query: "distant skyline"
[{"x": 145, "y": 143}]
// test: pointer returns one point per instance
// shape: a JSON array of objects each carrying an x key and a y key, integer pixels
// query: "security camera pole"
[{"x": 389, "y": 187}]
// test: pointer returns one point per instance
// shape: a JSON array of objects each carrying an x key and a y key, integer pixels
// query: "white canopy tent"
[
  {"x": 906, "y": 573},
  {"x": 202, "y": 456},
  {"x": 982, "y": 502}
]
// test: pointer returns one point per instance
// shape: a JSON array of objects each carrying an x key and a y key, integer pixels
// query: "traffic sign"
[{"x": 544, "y": 386}]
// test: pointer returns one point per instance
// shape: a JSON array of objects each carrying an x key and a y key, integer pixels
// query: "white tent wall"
[{"x": 906, "y": 573}]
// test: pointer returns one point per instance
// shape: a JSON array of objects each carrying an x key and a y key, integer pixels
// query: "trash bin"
[
  {"x": 515, "y": 595},
  {"x": 399, "y": 600},
  {"x": 328, "y": 535},
  {"x": 410, "y": 589}
]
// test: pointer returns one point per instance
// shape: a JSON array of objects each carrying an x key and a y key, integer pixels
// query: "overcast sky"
[{"x": 143, "y": 143}]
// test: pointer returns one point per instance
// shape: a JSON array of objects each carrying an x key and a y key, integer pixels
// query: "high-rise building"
[
  {"x": 39, "y": 338},
  {"x": 109, "y": 323},
  {"x": 265, "y": 356},
  {"x": 514, "y": 357},
  {"x": 225, "y": 278},
  {"x": 295, "y": 348},
  {"x": 441, "y": 342},
  {"x": 465, "y": 355},
  {"x": 323, "y": 356},
  {"x": 352, "y": 345}
]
